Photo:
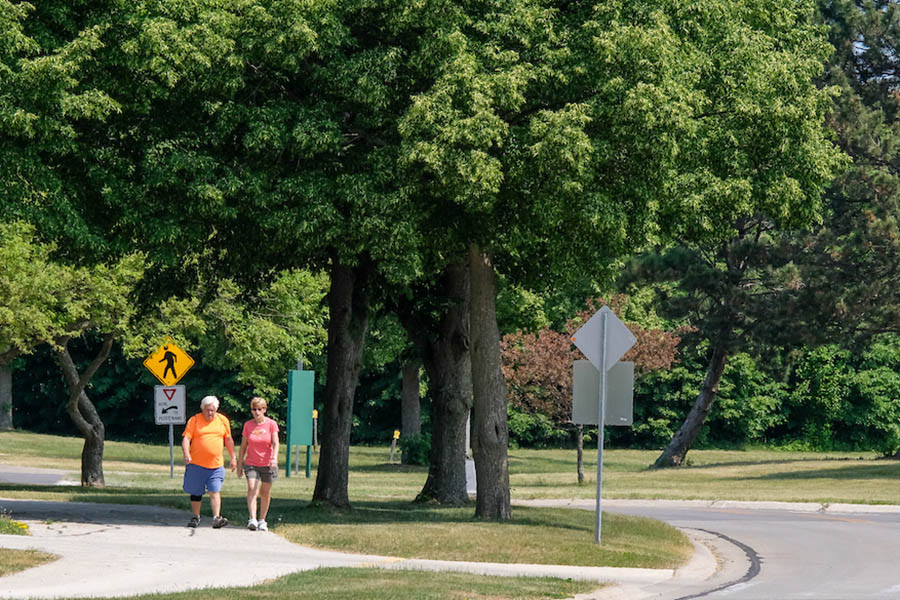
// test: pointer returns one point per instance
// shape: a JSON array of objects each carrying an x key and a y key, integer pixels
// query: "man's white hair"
[{"x": 209, "y": 400}]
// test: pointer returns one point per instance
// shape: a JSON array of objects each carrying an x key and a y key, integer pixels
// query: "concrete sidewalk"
[{"x": 111, "y": 550}]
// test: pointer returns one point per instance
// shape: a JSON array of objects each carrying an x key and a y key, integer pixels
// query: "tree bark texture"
[
  {"x": 6, "y": 405},
  {"x": 446, "y": 359},
  {"x": 490, "y": 433},
  {"x": 410, "y": 410},
  {"x": 682, "y": 441},
  {"x": 579, "y": 445},
  {"x": 348, "y": 304},
  {"x": 83, "y": 412}
]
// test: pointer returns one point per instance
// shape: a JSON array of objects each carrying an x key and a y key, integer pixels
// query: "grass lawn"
[
  {"x": 378, "y": 584},
  {"x": 757, "y": 474},
  {"x": 384, "y": 520},
  {"x": 13, "y": 561}
]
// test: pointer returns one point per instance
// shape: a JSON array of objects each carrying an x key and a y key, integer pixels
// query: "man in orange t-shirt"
[{"x": 204, "y": 437}]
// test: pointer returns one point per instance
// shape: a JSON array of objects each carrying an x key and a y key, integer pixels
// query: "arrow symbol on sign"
[{"x": 169, "y": 392}]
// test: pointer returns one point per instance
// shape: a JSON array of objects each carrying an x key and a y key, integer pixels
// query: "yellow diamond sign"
[{"x": 169, "y": 363}]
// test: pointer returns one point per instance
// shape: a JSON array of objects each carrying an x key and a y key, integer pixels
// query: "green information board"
[{"x": 299, "y": 414}]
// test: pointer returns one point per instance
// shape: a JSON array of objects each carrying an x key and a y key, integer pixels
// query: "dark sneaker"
[
  {"x": 195, "y": 520},
  {"x": 219, "y": 522}
]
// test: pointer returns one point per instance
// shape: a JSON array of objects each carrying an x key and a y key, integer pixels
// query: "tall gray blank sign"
[{"x": 619, "y": 394}]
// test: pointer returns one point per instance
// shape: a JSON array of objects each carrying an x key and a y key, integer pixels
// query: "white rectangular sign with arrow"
[{"x": 169, "y": 403}]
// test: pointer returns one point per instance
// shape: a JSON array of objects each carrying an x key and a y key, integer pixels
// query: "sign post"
[
  {"x": 169, "y": 364},
  {"x": 169, "y": 409},
  {"x": 603, "y": 339},
  {"x": 299, "y": 416},
  {"x": 394, "y": 444}
]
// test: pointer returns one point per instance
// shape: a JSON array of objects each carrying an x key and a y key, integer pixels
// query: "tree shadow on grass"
[
  {"x": 391, "y": 468},
  {"x": 752, "y": 463},
  {"x": 869, "y": 471},
  {"x": 410, "y": 513},
  {"x": 101, "y": 509}
]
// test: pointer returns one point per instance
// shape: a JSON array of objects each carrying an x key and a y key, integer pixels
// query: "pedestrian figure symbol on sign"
[
  {"x": 162, "y": 363},
  {"x": 170, "y": 359}
]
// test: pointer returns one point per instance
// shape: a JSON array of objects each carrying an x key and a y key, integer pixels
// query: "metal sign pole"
[
  {"x": 171, "y": 451},
  {"x": 603, "y": 331}
]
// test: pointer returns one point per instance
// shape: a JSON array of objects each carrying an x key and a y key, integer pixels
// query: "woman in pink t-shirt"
[{"x": 258, "y": 460}]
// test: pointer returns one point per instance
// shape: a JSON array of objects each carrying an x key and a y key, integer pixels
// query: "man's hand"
[{"x": 187, "y": 459}]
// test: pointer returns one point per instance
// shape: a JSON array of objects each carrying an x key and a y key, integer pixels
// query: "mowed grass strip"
[
  {"x": 379, "y": 523},
  {"x": 13, "y": 561},
  {"x": 377, "y": 584},
  {"x": 753, "y": 474},
  {"x": 533, "y": 535}
]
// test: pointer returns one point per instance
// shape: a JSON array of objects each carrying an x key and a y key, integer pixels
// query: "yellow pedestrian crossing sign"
[{"x": 169, "y": 363}]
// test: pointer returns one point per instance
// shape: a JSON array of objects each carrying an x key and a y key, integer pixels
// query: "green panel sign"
[{"x": 300, "y": 408}]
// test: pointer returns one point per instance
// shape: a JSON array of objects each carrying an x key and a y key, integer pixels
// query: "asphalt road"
[{"x": 796, "y": 551}]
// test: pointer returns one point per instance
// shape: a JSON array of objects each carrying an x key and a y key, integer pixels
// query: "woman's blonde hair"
[{"x": 258, "y": 402}]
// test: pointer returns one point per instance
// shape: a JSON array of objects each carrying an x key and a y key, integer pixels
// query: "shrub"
[{"x": 415, "y": 449}]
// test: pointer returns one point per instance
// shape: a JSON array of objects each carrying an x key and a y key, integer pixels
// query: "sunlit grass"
[
  {"x": 384, "y": 520},
  {"x": 535, "y": 536},
  {"x": 758, "y": 474},
  {"x": 13, "y": 561},
  {"x": 377, "y": 584}
]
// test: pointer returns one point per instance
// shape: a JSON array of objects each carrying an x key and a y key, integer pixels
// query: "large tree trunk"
[
  {"x": 682, "y": 441},
  {"x": 348, "y": 304},
  {"x": 490, "y": 436},
  {"x": 83, "y": 412},
  {"x": 7, "y": 354},
  {"x": 6, "y": 421},
  {"x": 410, "y": 408},
  {"x": 446, "y": 359}
]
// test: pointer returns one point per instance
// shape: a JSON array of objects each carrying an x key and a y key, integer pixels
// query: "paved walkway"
[{"x": 146, "y": 549}]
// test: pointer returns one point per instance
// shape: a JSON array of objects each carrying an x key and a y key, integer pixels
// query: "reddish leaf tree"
[{"x": 538, "y": 366}]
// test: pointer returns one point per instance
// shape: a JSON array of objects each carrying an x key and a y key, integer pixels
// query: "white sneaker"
[
  {"x": 261, "y": 525},
  {"x": 252, "y": 524}
]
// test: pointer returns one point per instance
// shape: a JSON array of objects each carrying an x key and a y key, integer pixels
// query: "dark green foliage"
[
  {"x": 831, "y": 399},
  {"x": 534, "y": 430},
  {"x": 847, "y": 400},
  {"x": 376, "y": 409},
  {"x": 415, "y": 449}
]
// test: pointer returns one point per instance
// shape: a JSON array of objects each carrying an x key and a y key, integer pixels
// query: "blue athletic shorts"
[{"x": 198, "y": 480}]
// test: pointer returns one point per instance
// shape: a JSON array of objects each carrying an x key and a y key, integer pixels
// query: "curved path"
[{"x": 121, "y": 550}]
